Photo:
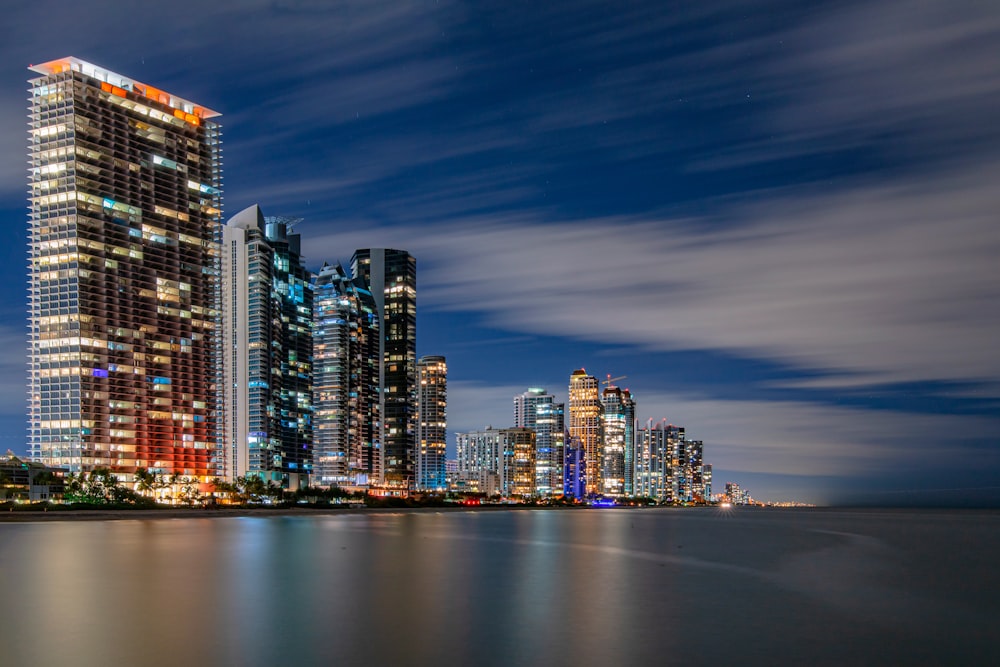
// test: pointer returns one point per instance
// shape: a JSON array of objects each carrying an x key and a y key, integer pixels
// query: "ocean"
[{"x": 671, "y": 586}]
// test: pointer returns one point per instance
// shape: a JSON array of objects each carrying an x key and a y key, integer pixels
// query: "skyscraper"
[
  {"x": 586, "y": 425},
  {"x": 619, "y": 428},
  {"x": 125, "y": 198},
  {"x": 519, "y": 462},
  {"x": 536, "y": 409},
  {"x": 497, "y": 461},
  {"x": 432, "y": 423},
  {"x": 392, "y": 277},
  {"x": 655, "y": 456},
  {"x": 267, "y": 302},
  {"x": 347, "y": 417}
]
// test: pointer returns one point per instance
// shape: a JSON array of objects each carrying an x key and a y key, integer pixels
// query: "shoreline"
[{"x": 23, "y": 516}]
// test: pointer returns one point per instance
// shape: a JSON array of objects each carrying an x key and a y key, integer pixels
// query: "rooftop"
[{"x": 124, "y": 83}]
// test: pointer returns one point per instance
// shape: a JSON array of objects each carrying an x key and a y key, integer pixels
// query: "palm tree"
[{"x": 145, "y": 481}]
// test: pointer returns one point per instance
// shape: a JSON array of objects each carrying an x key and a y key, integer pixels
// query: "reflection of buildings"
[
  {"x": 619, "y": 441},
  {"x": 585, "y": 425},
  {"x": 536, "y": 409},
  {"x": 392, "y": 277},
  {"x": 432, "y": 423},
  {"x": 496, "y": 461},
  {"x": 346, "y": 338},
  {"x": 266, "y": 352},
  {"x": 124, "y": 220}
]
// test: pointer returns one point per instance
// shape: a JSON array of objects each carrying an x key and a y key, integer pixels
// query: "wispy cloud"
[{"x": 892, "y": 282}]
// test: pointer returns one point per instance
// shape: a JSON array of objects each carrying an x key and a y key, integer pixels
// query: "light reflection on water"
[{"x": 504, "y": 588}]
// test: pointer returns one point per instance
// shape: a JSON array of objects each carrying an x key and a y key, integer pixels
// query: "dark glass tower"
[
  {"x": 392, "y": 278},
  {"x": 346, "y": 357}
]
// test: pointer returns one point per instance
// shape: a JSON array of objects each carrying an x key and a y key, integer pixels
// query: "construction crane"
[{"x": 611, "y": 379}]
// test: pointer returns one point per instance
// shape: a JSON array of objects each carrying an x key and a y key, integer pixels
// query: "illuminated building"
[
  {"x": 497, "y": 461},
  {"x": 656, "y": 454},
  {"x": 125, "y": 198},
  {"x": 694, "y": 471},
  {"x": 536, "y": 409},
  {"x": 346, "y": 421},
  {"x": 519, "y": 462},
  {"x": 267, "y": 304},
  {"x": 479, "y": 461},
  {"x": 432, "y": 423},
  {"x": 574, "y": 469},
  {"x": 707, "y": 480},
  {"x": 392, "y": 277},
  {"x": 737, "y": 495},
  {"x": 619, "y": 441},
  {"x": 585, "y": 424}
]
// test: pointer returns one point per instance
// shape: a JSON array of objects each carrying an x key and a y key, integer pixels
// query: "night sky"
[{"x": 779, "y": 220}]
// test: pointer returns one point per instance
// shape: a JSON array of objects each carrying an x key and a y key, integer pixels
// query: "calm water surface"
[{"x": 582, "y": 587}]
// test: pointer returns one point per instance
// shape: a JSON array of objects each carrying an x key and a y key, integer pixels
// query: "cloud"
[
  {"x": 888, "y": 283},
  {"x": 904, "y": 78}
]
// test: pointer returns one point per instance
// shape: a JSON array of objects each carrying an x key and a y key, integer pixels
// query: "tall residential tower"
[
  {"x": 125, "y": 198},
  {"x": 347, "y": 418},
  {"x": 586, "y": 426},
  {"x": 619, "y": 441},
  {"x": 267, "y": 302},
  {"x": 432, "y": 423},
  {"x": 392, "y": 277},
  {"x": 536, "y": 409}
]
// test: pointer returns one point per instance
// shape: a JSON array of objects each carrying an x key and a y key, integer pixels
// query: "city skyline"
[{"x": 777, "y": 221}]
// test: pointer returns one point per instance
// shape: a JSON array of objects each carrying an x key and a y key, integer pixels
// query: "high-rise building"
[
  {"x": 125, "y": 198},
  {"x": 656, "y": 453},
  {"x": 432, "y": 423},
  {"x": 574, "y": 469},
  {"x": 479, "y": 461},
  {"x": 497, "y": 461},
  {"x": 519, "y": 462},
  {"x": 267, "y": 302},
  {"x": 347, "y": 417},
  {"x": 536, "y": 409},
  {"x": 586, "y": 425},
  {"x": 392, "y": 277},
  {"x": 693, "y": 471},
  {"x": 707, "y": 481},
  {"x": 619, "y": 441}
]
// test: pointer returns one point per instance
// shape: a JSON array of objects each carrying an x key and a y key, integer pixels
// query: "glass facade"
[
  {"x": 658, "y": 451},
  {"x": 345, "y": 379},
  {"x": 267, "y": 352},
  {"x": 536, "y": 409},
  {"x": 613, "y": 455},
  {"x": 392, "y": 277},
  {"x": 125, "y": 198}
]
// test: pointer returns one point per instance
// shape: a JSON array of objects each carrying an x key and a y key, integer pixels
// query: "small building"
[{"x": 29, "y": 481}]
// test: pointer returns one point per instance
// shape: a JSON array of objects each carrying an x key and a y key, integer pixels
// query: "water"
[{"x": 587, "y": 587}]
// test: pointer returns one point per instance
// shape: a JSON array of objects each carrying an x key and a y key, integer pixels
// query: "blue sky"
[{"x": 778, "y": 219}]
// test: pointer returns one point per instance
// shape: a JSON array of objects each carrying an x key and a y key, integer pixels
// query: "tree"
[
  {"x": 145, "y": 481},
  {"x": 189, "y": 491}
]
